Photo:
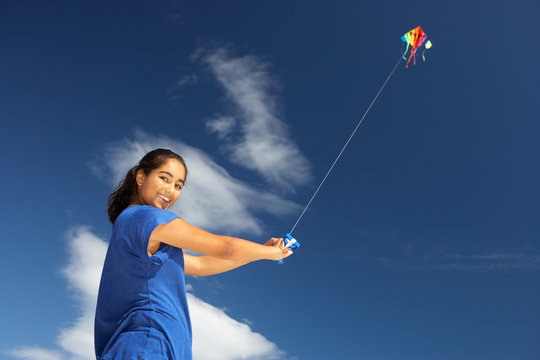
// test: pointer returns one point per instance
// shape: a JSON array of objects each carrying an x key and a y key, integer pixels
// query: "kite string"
[{"x": 346, "y": 144}]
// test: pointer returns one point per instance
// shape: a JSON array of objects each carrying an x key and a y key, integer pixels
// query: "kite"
[{"x": 416, "y": 38}]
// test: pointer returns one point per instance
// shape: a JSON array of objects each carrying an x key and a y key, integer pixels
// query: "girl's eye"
[
  {"x": 164, "y": 178},
  {"x": 179, "y": 187}
]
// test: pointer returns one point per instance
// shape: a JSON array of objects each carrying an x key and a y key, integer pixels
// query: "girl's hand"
[{"x": 281, "y": 252}]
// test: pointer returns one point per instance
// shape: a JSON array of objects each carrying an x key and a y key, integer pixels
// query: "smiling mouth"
[{"x": 164, "y": 198}]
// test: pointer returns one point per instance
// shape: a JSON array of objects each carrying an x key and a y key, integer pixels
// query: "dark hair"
[{"x": 122, "y": 196}]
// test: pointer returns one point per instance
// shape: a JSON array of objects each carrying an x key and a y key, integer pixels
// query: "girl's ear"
[{"x": 139, "y": 178}]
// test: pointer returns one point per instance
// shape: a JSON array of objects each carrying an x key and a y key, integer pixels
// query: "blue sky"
[{"x": 423, "y": 242}]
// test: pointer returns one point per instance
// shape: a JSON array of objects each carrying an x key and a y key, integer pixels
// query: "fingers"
[
  {"x": 280, "y": 244},
  {"x": 277, "y": 242},
  {"x": 287, "y": 252}
]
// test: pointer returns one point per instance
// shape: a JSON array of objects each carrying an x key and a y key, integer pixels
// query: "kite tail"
[
  {"x": 413, "y": 51},
  {"x": 406, "y": 49}
]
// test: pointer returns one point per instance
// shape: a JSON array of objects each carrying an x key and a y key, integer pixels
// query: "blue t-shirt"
[{"x": 142, "y": 310}]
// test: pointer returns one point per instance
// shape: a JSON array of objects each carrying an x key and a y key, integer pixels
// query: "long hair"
[{"x": 122, "y": 196}]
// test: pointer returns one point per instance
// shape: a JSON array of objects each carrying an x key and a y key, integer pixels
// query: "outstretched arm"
[
  {"x": 180, "y": 234},
  {"x": 209, "y": 265}
]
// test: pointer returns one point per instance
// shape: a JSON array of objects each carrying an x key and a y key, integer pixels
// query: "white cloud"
[
  {"x": 222, "y": 126},
  {"x": 35, "y": 353},
  {"x": 231, "y": 339},
  {"x": 215, "y": 334},
  {"x": 87, "y": 254},
  {"x": 212, "y": 198},
  {"x": 83, "y": 271},
  {"x": 263, "y": 143}
]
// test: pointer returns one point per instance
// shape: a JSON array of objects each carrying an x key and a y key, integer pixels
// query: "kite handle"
[{"x": 290, "y": 243}]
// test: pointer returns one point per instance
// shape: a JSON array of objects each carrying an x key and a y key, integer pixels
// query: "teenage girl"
[{"x": 142, "y": 311}]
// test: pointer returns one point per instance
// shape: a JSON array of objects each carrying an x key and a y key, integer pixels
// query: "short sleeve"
[{"x": 141, "y": 222}]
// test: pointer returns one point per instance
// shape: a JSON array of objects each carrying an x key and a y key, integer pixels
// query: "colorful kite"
[{"x": 416, "y": 38}]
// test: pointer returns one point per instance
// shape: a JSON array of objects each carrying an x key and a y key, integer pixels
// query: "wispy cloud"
[
  {"x": 215, "y": 334},
  {"x": 212, "y": 198},
  {"x": 488, "y": 262},
  {"x": 257, "y": 139},
  {"x": 222, "y": 126},
  {"x": 186, "y": 80}
]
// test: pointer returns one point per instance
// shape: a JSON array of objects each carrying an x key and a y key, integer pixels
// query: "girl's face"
[{"x": 161, "y": 188}]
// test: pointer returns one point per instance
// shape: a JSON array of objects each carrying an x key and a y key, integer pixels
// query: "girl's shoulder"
[
  {"x": 145, "y": 213},
  {"x": 141, "y": 210}
]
